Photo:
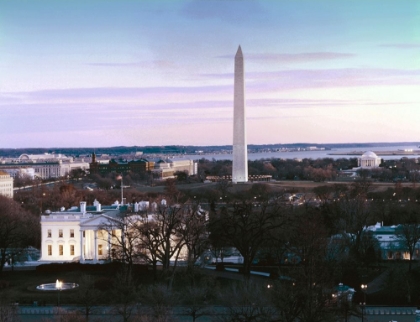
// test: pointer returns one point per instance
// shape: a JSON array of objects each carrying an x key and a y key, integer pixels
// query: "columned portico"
[
  {"x": 109, "y": 244},
  {"x": 79, "y": 234},
  {"x": 95, "y": 256},
  {"x": 82, "y": 253}
]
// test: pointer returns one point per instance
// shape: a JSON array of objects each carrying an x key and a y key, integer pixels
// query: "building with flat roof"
[
  {"x": 165, "y": 169},
  {"x": 119, "y": 166},
  {"x": 6, "y": 184}
]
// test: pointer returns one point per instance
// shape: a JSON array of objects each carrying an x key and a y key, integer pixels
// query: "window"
[
  {"x": 49, "y": 233},
  {"x": 72, "y": 250},
  {"x": 71, "y": 232},
  {"x": 60, "y": 233},
  {"x": 60, "y": 250},
  {"x": 83, "y": 233},
  {"x": 49, "y": 250},
  {"x": 100, "y": 250}
]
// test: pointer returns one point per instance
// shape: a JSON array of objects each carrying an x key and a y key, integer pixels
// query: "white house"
[
  {"x": 90, "y": 233},
  {"x": 77, "y": 234}
]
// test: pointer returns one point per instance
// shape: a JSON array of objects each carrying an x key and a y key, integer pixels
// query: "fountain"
[{"x": 57, "y": 286}]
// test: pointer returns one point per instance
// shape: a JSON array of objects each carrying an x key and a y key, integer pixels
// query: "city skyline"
[{"x": 111, "y": 73}]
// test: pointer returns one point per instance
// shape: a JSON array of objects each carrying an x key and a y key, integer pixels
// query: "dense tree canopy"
[{"x": 18, "y": 230}]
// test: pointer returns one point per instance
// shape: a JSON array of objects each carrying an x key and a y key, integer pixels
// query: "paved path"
[{"x": 371, "y": 314}]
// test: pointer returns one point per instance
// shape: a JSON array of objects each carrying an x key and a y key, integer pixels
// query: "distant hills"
[{"x": 189, "y": 149}]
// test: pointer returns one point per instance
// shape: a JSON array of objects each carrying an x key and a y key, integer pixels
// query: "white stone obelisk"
[{"x": 240, "y": 151}]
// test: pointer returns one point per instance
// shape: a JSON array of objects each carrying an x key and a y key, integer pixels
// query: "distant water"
[{"x": 310, "y": 154}]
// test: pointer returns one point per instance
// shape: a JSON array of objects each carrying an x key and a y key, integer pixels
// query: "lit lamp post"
[
  {"x": 363, "y": 304},
  {"x": 364, "y": 288},
  {"x": 42, "y": 197},
  {"x": 58, "y": 286}
]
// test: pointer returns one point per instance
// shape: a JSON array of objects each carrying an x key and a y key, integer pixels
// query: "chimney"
[
  {"x": 83, "y": 207},
  {"x": 97, "y": 205}
]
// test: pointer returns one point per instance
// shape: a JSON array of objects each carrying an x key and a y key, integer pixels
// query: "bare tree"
[
  {"x": 246, "y": 302},
  {"x": 194, "y": 232},
  {"x": 18, "y": 229},
  {"x": 8, "y": 310},
  {"x": 160, "y": 234},
  {"x": 409, "y": 235},
  {"x": 124, "y": 238},
  {"x": 247, "y": 226},
  {"x": 87, "y": 296},
  {"x": 287, "y": 299},
  {"x": 313, "y": 274},
  {"x": 126, "y": 296},
  {"x": 160, "y": 301},
  {"x": 355, "y": 215},
  {"x": 195, "y": 297}
]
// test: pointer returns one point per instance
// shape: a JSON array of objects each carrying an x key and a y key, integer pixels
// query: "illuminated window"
[
  {"x": 49, "y": 250},
  {"x": 99, "y": 249},
  {"x": 71, "y": 232},
  {"x": 60, "y": 250},
  {"x": 49, "y": 233},
  {"x": 60, "y": 233},
  {"x": 71, "y": 249}
]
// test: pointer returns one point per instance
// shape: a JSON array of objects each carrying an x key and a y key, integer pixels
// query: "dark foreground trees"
[
  {"x": 247, "y": 226},
  {"x": 18, "y": 230}
]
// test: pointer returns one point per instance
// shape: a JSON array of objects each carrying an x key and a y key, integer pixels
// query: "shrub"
[{"x": 4, "y": 284}]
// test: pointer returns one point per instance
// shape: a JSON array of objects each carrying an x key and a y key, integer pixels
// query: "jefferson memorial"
[{"x": 369, "y": 160}]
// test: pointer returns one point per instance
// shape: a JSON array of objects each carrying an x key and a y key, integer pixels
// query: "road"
[{"x": 372, "y": 314}]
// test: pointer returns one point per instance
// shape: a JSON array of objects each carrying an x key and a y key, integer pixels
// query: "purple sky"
[{"x": 125, "y": 72}]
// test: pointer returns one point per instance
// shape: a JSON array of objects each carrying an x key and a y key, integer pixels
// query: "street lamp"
[
  {"x": 364, "y": 288},
  {"x": 42, "y": 197},
  {"x": 362, "y": 305}
]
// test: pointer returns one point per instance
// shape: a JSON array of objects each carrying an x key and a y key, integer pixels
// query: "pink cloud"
[
  {"x": 402, "y": 46},
  {"x": 143, "y": 64},
  {"x": 295, "y": 58}
]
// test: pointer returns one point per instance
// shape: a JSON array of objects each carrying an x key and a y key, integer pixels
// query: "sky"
[{"x": 99, "y": 73}]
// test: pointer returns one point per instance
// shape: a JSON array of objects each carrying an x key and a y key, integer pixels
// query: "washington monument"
[{"x": 240, "y": 152}]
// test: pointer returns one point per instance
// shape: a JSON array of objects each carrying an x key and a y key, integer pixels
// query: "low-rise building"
[
  {"x": 6, "y": 184},
  {"x": 391, "y": 242},
  {"x": 119, "y": 166},
  {"x": 164, "y": 169},
  {"x": 44, "y": 166}
]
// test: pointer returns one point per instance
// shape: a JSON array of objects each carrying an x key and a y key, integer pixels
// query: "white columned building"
[
  {"x": 78, "y": 234},
  {"x": 91, "y": 234},
  {"x": 368, "y": 160}
]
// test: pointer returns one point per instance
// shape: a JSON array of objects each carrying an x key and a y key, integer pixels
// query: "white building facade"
[
  {"x": 78, "y": 234},
  {"x": 6, "y": 184},
  {"x": 46, "y": 169},
  {"x": 164, "y": 169},
  {"x": 96, "y": 233},
  {"x": 369, "y": 160}
]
